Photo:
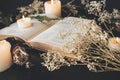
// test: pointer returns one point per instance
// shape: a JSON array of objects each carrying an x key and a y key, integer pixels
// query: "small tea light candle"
[
  {"x": 53, "y": 8},
  {"x": 114, "y": 43},
  {"x": 5, "y": 55},
  {"x": 24, "y": 22}
]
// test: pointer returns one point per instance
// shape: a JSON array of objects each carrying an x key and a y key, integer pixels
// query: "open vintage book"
[{"x": 47, "y": 36}]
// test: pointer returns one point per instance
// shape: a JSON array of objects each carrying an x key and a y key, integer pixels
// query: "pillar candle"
[
  {"x": 5, "y": 55},
  {"x": 53, "y": 8}
]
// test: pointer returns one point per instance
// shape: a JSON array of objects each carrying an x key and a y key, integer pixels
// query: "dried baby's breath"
[
  {"x": 70, "y": 8},
  {"x": 95, "y": 7},
  {"x": 36, "y": 7},
  {"x": 92, "y": 51},
  {"x": 92, "y": 48},
  {"x": 54, "y": 60}
]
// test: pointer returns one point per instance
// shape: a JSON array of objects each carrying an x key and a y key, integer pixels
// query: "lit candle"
[
  {"x": 52, "y": 1},
  {"x": 5, "y": 55},
  {"x": 53, "y": 8},
  {"x": 114, "y": 44},
  {"x": 24, "y": 22}
]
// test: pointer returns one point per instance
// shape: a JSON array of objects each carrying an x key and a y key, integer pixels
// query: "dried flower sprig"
[
  {"x": 36, "y": 7},
  {"x": 20, "y": 57},
  {"x": 96, "y": 7},
  {"x": 91, "y": 50},
  {"x": 54, "y": 60},
  {"x": 99, "y": 57},
  {"x": 70, "y": 8},
  {"x": 106, "y": 19}
]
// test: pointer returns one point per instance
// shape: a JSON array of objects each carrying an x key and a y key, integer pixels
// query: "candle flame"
[
  {"x": 23, "y": 17},
  {"x": 52, "y": 1},
  {"x": 118, "y": 39}
]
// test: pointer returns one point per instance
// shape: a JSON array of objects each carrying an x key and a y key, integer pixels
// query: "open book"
[{"x": 48, "y": 36}]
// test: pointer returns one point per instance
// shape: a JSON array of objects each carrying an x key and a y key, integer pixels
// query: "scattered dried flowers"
[
  {"x": 91, "y": 49},
  {"x": 36, "y": 7},
  {"x": 104, "y": 17}
]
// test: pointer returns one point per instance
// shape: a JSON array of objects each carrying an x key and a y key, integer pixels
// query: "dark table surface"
[{"x": 65, "y": 73}]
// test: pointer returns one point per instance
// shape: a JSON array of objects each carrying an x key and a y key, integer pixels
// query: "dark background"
[
  {"x": 65, "y": 73},
  {"x": 40, "y": 72},
  {"x": 9, "y": 6}
]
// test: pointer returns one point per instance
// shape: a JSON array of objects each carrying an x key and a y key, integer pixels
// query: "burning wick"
[
  {"x": 23, "y": 17},
  {"x": 118, "y": 40}
]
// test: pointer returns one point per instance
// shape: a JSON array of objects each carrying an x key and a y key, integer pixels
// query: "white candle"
[
  {"x": 52, "y": 1},
  {"x": 24, "y": 22},
  {"x": 5, "y": 55},
  {"x": 53, "y": 8},
  {"x": 114, "y": 44}
]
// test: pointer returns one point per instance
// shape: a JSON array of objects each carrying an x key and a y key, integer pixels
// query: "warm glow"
[
  {"x": 23, "y": 17},
  {"x": 24, "y": 22},
  {"x": 118, "y": 40},
  {"x": 52, "y": 1}
]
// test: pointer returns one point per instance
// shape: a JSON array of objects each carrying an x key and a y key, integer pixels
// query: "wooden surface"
[{"x": 65, "y": 73}]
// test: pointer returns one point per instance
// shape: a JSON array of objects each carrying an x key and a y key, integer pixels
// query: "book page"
[
  {"x": 25, "y": 33},
  {"x": 68, "y": 26}
]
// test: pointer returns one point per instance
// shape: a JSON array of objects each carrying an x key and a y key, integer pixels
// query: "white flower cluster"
[
  {"x": 35, "y": 8},
  {"x": 95, "y": 7}
]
